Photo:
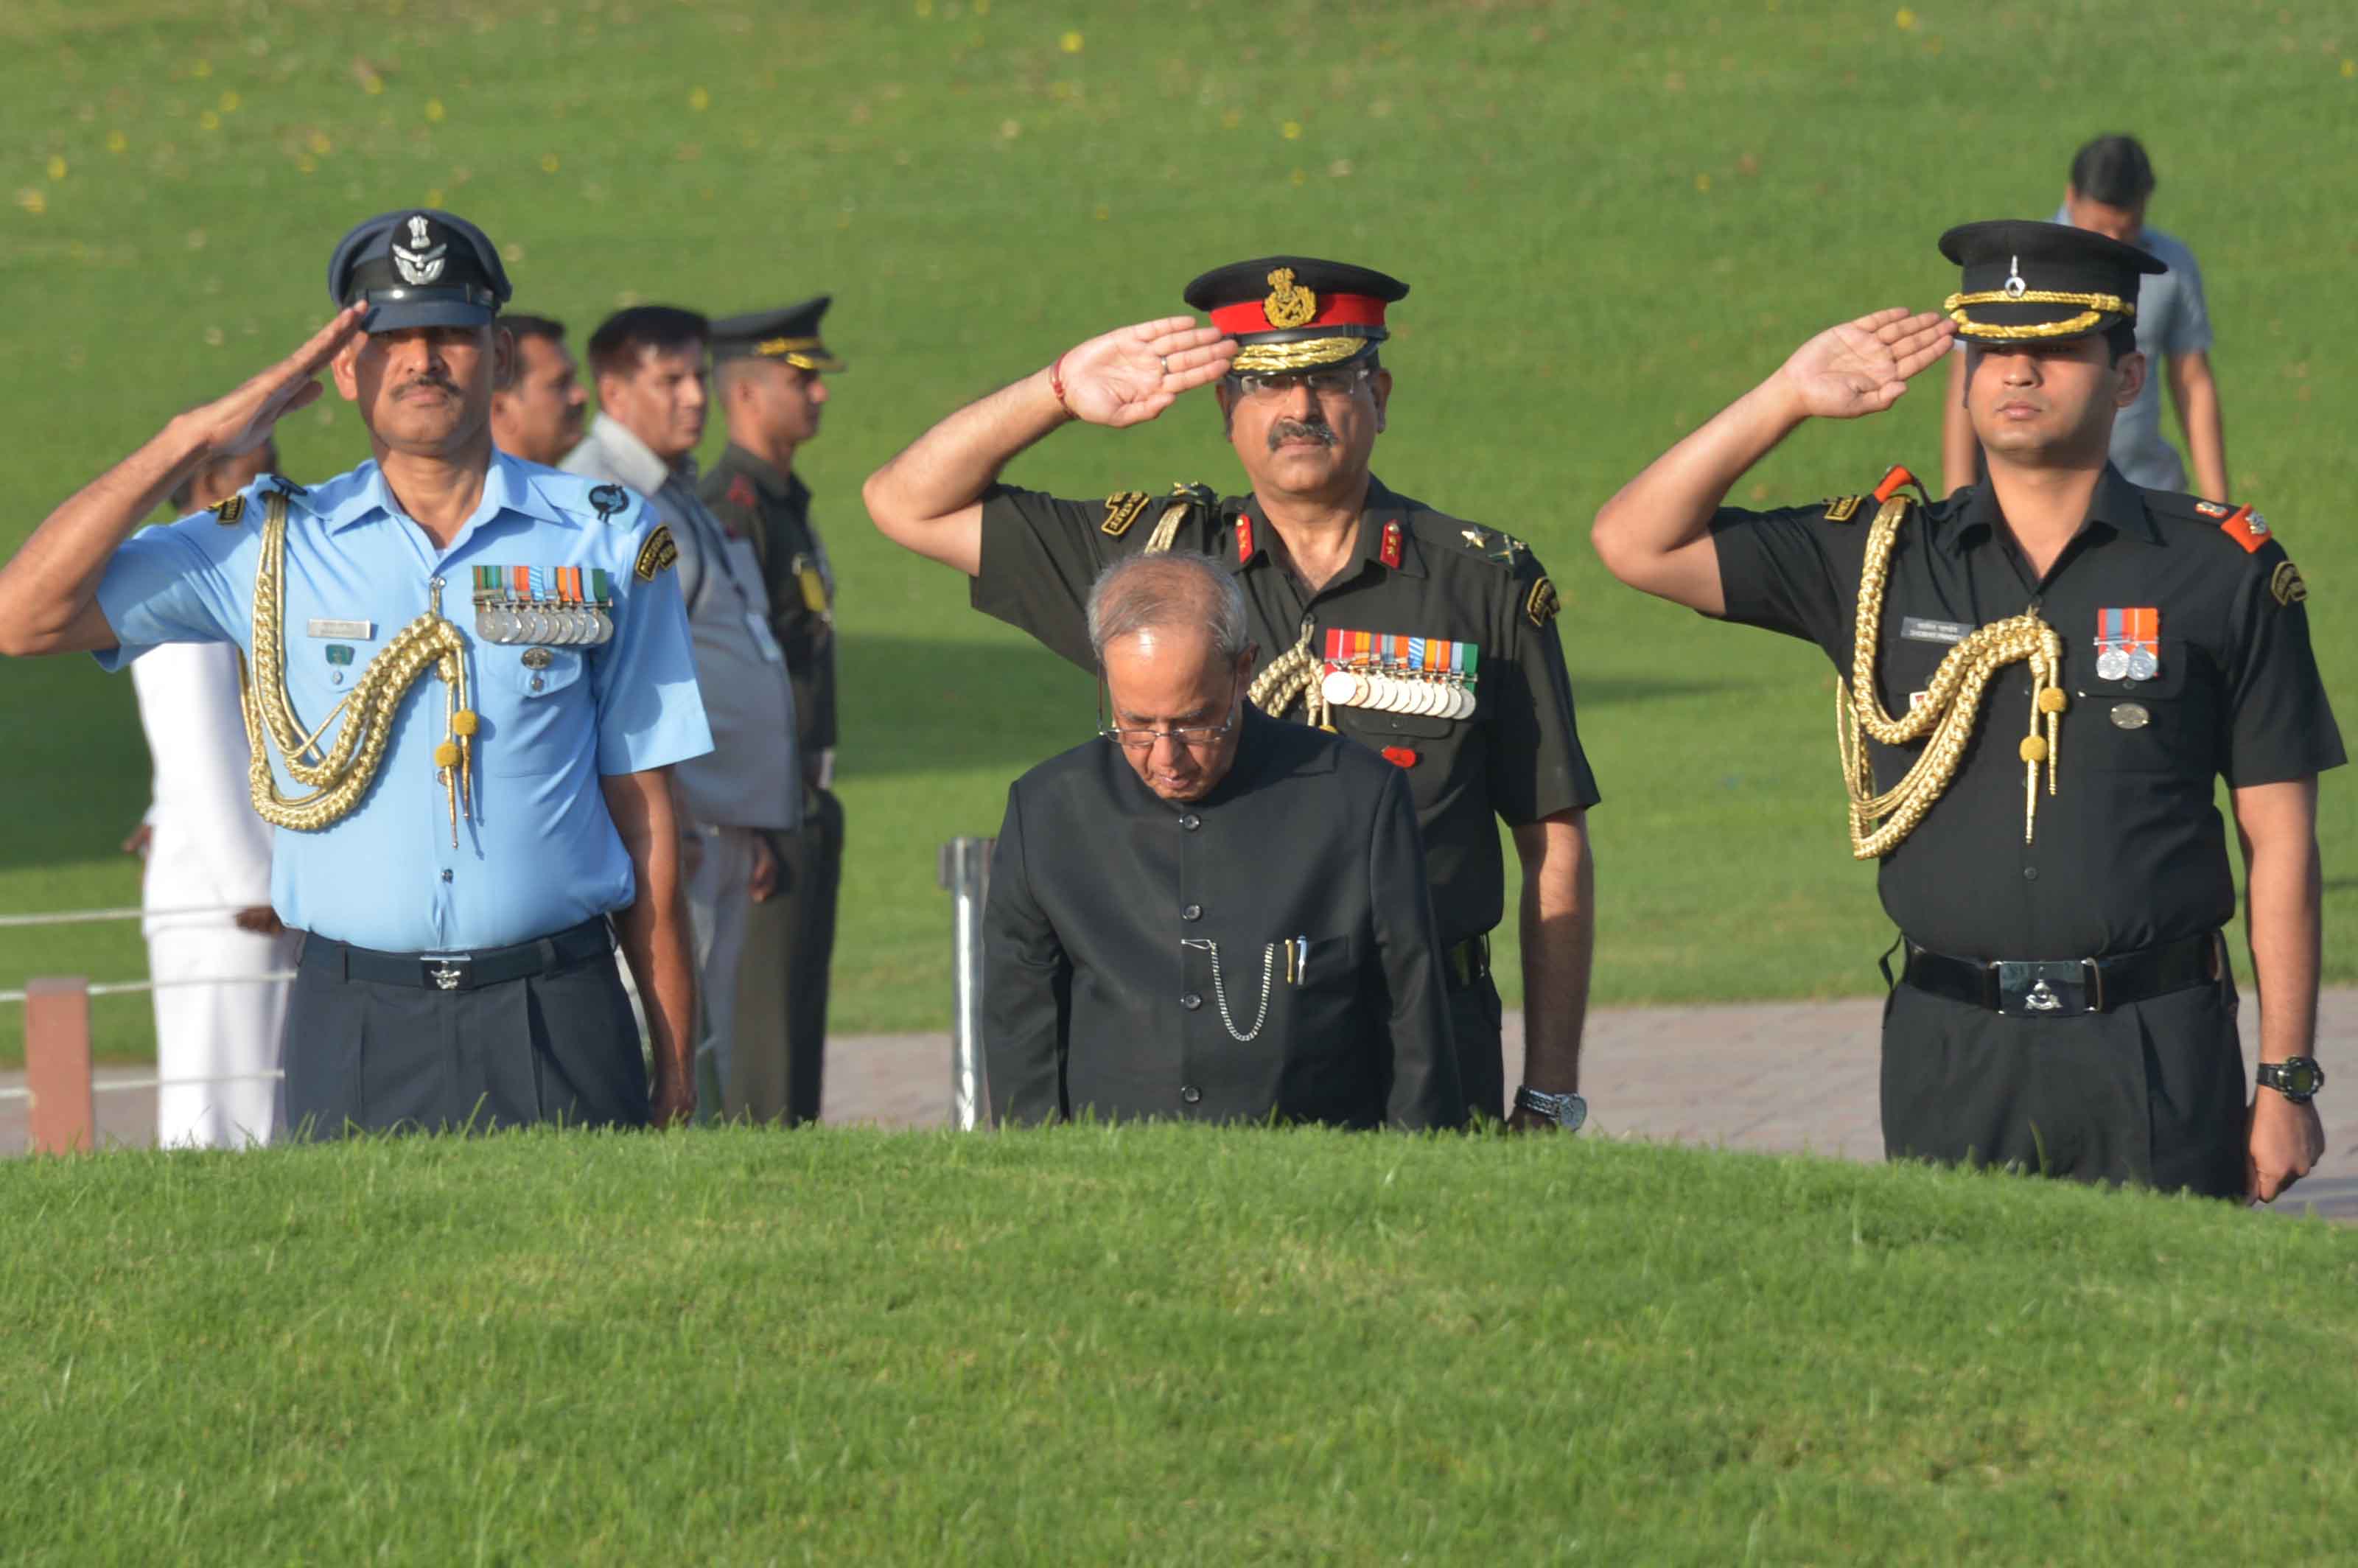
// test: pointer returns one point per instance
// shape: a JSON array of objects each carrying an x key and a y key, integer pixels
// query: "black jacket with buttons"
[{"x": 1130, "y": 940}]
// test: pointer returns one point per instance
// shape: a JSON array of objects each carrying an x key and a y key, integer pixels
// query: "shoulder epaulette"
[
  {"x": 287, "y": 487},
  {"x": 1185, "y": 499},
  {"x": 608, "y": 501},
  {"x": 1494, "y": 544},
  {"x": 1121, "y": 510},
  {"x": 2243, "y": 526}
]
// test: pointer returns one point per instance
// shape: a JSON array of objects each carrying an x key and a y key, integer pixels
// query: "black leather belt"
[
  {"x": 2067, "y": 988},
  {"x": 460, "y": 971},
  {"x": 1467, "y": 962}
]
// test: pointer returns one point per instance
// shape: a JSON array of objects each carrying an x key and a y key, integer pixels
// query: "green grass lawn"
[
  {"x": 1614, "y": 218},
  {"x": 1153, "y": 1345}
]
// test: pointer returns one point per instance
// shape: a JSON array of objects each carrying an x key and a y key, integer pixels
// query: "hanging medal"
[
  {"x": 2112, "y": 645},
  {"x": 2145, "y": 642}
]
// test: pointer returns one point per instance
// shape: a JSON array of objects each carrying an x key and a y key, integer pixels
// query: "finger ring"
[{"x": 1164, "y": 361}]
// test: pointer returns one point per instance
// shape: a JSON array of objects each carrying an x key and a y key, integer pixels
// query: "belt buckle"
[
  {"x": 446, "y": 974},
  {"x": 2039, "y": 988}
]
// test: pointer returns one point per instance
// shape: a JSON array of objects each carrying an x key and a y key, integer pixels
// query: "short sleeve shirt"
[
  {"x": 2173, "y": 319},
  {"x": 752, "y": 776},
  {"x": 2130, "y": 851},
  {"x": 539, "y": 852},
  {"x": 1517, "y": 758}
]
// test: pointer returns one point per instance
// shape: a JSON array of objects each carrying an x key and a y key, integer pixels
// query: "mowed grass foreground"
[
  {"x": 1153, "y": 1345},
  {"x": 1614, "y": 218}
]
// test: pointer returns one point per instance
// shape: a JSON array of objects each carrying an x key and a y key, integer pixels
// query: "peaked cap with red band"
[{"x": 1290, "y": 313}]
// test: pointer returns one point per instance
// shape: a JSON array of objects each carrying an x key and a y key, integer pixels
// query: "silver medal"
[
  {"x": 605, "y": 625},
  {"x": 1336, "y": 688},
  {"x": 2143, "y": 665},
  {"x": 2112, "y": 663}
]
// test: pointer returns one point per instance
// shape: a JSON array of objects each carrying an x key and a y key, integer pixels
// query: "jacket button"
[
  {"x": 1193, "y": 911},
  {"x": 1191, "y": 822},
  {"x": 2031, "y": 873},
  {"x": 1191, "y": 1094},
  {"x": 1191, "y": 1001}
]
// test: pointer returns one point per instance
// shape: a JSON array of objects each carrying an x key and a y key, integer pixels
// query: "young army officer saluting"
[
  {"x": 473, "y": 672},
  {"x": 2042, "y": 677},
  {"x": 1429, "y": 639}
]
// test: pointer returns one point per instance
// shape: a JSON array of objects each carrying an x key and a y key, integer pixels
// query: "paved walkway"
[{"x": 1767, "y": 1076}]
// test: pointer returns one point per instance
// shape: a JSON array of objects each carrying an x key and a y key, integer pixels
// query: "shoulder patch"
[
  {"x": 740, "y": 491},
  {"x": 2286, "y": 584},
  {"x": 1121, "y": 510},
  {"x": 610, "y": 499},
  {"x": 657, "y": 553},
  {"x": 230, "y": 511},
  {"x": 1843, "y": 508},
  {"x": 1542, "y": 603}
]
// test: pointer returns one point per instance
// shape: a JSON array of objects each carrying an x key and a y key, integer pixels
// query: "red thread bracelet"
[{"x": 1057, "y": 383}]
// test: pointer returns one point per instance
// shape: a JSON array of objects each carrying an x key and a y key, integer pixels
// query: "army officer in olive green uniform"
[{"x": 766, "y": 370}]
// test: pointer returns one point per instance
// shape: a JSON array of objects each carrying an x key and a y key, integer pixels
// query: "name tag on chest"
[
  {"x": 1916, "y": 629},
  {"x": 343, "y": 631}
]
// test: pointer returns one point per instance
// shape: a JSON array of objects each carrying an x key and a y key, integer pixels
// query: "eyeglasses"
[
  {"x": 1180, "y": 735},
  {"x": 1321, "y": 383}
]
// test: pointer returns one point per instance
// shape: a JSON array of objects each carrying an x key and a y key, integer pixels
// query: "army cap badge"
[{"x": 1290, "y": 313}]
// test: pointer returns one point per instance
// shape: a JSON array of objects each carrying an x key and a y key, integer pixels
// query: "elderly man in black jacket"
[{"x": 1207, "y": 914}]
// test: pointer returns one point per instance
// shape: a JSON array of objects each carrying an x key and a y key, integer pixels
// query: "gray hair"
[{"x": 1159, "y": 592}]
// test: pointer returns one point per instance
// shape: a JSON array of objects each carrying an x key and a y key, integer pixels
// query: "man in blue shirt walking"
[{"x": 467, "y": 679}]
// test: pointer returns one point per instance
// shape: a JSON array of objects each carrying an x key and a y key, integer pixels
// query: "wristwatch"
[
  {"x": 2298, "y": 1078},
  {"x": 1567, "y": 1111}
]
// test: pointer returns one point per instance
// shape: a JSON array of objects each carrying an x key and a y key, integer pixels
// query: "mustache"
[
  {"x": 442, "y": 382},
  {"x": 1291, "y": 429}
]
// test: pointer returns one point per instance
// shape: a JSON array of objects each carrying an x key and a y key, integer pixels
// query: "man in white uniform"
[{"x": 206, "y": 849}]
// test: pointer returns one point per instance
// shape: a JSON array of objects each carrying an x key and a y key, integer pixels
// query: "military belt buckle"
[
  {"x": 446, "y": 974},
  {"x": 2058, "y": 988}
]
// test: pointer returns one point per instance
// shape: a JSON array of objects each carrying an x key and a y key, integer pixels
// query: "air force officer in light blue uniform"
[{"x": 471, "y": 676}]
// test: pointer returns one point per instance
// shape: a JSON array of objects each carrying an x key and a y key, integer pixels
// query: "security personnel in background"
[
  {"x": 2042, "y": 677},
  {"x": 1431, "y": 640},
  {"x": 766, "y": 370},
  {"x": 468, "y": 679},
  {"x": 649, "y": 360}
]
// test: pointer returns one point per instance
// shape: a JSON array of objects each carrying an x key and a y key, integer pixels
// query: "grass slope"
[
  {"x": 1614, "y": 218},
  {"x": 1153, "y": 1345}
]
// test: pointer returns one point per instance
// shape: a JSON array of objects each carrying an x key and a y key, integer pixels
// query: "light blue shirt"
[
  {"x": 539, "y": 852},
  {"x": 2172, "y": 319},
  {"x": 753, "y": 776}
]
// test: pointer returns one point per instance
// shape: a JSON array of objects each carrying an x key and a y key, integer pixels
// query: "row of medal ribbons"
[
  {"x": 1433, "y": 677},
  {"x": 2128, "y": 643},
  {"x": 565, "y": 607}
]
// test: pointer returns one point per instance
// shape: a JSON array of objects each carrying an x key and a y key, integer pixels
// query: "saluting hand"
[
  {"x": 1863, "y": 366},
  {"x": 1133, "y": 374},
  {"x": 243, "y": 421},
  {"x": 2283, "y": 1143}
]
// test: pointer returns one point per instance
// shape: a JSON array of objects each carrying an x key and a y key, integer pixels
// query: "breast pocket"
[
  {"x": 536, "y": 713},
  {"x": 2158, "y": 726}
]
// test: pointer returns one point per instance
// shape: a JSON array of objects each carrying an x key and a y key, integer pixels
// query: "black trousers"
[
  {"x": 560, "y": 1046},
  {"x": 788, "y": 973},
  {"x": 1475, "y": 1019},
  {"x": 2151, "y": 1094}
]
